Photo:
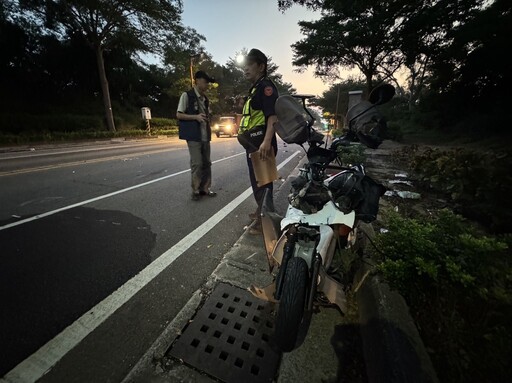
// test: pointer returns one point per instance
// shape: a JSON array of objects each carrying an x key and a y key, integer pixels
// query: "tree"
[
  {"x": 311, "y": 4},
  {"x": 348, "y": 35},
  {"x": 426, "y": 32},
  {"x": 143, "y": 25}
]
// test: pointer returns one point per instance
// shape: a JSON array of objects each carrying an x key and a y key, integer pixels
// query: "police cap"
[{"x": 255, "y": 55}]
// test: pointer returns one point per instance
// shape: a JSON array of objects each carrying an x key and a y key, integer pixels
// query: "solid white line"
[
  {"x": 76, "y": 149},
  {"x": 81, "y": 162},
  {"x": 36, "y": 365},
  {"x": 35, "y": 217}
]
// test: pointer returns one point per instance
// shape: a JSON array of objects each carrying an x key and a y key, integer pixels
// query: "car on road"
[{"x": 227, "y": 125}]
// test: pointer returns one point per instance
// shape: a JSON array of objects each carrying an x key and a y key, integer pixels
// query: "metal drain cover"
[{"x": 230, "y": 338}]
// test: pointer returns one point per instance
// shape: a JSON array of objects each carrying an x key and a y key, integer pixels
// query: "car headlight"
[
  {"x": 228, "y": 127},
  {"x": 216, "y": 127}
]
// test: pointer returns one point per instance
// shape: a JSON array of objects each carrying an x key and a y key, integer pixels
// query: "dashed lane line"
[{"x": 81, "y": 162}]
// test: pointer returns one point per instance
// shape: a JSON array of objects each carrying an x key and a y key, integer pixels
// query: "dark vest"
[{"x": 190, "y": 130}]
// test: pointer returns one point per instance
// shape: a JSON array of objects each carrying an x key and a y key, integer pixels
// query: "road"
[{"x": 101, "y": 247}]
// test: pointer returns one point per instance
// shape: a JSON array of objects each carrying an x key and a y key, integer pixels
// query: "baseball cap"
[
  {"x": 257, "y": 56},
  {"x": 202, "y": 74}
]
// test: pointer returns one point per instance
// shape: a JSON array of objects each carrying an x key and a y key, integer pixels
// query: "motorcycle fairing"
[
  {"x": 328, "y": 215},
  {"x": 332, "y": 290}
]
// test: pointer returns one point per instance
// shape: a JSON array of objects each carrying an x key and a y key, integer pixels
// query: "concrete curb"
[
  {"x": 393, "y": 349},
  {"x": 163, "y": 342},
  {"x": 28, "y": 147}
]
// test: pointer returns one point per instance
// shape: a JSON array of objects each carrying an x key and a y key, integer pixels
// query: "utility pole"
[
  {"x": 191, "y": 71},
  {"x": 336, "y": 112},
  {"x": 192, "y": 55}
]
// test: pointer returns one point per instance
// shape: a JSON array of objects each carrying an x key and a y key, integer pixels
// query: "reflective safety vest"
[{"x": 251, "y": 117}]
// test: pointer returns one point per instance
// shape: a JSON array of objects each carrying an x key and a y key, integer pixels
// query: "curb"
[
  {"x": 30, "y": 147},
  {"x": 392, "y": 347}
]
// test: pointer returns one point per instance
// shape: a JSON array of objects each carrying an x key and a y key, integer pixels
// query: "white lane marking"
[
  {"x": 80, "y": 149},
  {"x": 82, "y": 162},
  {"x": 40, "y": 362},
  {"x": 39, "y": 216}
]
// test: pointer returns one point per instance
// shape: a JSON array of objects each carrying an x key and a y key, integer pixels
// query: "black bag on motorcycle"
[
  {"x": 369, "y": 127},
  {"x": 354, "y": 190}
]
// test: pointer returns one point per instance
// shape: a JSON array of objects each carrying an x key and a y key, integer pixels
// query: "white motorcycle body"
[
  {"x": 322, "y": 221},
  {"x": 328, "y": 215}
]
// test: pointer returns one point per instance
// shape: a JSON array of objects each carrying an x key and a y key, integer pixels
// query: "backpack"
[
  {"x": 352, "y": 189},
  {"x": 367, "y": 128}
]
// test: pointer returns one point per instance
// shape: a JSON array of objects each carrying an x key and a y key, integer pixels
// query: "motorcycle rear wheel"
[{"x": 291, "y": 305}]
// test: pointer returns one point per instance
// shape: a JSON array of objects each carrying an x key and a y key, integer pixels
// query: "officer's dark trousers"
[{"x": 259, "y": 191}]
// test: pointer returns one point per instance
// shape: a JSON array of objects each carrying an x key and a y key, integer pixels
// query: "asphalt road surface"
[{"x": 101, "y": 246}]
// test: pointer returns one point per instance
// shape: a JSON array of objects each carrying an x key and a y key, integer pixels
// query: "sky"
[{"x": 231, "y": 25}]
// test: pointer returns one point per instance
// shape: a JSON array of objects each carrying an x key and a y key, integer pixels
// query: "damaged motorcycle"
[{"x": 328, "y": 203}]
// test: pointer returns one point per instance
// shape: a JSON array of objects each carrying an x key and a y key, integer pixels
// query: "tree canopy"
[
  {"x": 138, "y": 25},
  {"x": 444, "y": 57}
]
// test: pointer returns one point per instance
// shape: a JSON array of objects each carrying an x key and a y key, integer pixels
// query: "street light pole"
[
  {"x": 191, "y": 71},
  {"x": 336, "y": 112},
  {"x": 192, "y": 55}
]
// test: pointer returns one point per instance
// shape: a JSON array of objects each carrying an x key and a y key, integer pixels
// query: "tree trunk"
[
  {"x": 104, "y": 89},
  {"x": 369, "y": 83}
]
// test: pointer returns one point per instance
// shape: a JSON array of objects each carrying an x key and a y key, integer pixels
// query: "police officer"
[{"x": 256, "y": 132}]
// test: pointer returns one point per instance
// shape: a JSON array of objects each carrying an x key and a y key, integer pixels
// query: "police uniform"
[{"x": 258, "y": 107}]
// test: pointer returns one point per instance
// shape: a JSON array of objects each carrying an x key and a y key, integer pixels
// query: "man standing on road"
[
  {"x": 194, "y": 127},
  {"x": 256, "y": 133}
]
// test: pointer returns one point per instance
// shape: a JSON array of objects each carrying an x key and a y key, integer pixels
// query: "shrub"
[
  {"x": 352, "y": 154},
  {"x": 457, "y": 283},
  {"x": 393, "y": 131},
  {"x": 479, "y": 183},
  {"x": 337, "y": 132},
  {"x": 161, "y": 123},
  {"x": 16, "y": 123}
]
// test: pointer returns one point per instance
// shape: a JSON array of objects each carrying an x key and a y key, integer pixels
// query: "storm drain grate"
[{"x": 230, "y": 338}]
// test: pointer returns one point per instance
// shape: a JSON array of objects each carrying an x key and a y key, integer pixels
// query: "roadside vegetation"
[
  {"x": 457, "y": 282},
  {"x": 56, "y": 130},
  {"x": 453, "y": 265}
]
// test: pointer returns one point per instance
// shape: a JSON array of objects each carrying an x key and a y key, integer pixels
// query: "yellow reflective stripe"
[{"x": 251, "y": 117}]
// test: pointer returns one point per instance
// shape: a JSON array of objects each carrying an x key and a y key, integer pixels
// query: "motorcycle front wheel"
[{"x": 291, "y": 305}]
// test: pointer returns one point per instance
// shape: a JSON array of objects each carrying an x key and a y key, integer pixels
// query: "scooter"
[{"x": 328, "y": 202}]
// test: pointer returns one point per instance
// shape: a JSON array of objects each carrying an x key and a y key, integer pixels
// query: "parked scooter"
[{"x": 327, "y": 204}]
